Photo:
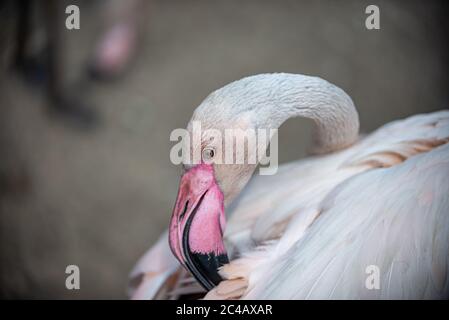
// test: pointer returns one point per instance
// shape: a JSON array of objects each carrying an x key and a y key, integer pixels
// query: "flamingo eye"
[{"x": 208, "y": 154}]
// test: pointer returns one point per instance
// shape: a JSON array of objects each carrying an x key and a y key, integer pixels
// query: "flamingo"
[{"x": 320, "y": 225}]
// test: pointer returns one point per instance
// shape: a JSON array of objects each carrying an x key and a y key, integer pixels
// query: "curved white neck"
[{"x": 270, "y": 99}]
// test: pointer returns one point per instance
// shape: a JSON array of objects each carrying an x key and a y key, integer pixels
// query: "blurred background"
[{"x": 85, "y": 118}]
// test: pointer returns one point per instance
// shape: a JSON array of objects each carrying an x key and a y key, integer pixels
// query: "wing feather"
[{"x": 394, "y": 218}]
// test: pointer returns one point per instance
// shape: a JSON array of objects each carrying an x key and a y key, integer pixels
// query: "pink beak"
[{"x": 197, "y": 225}]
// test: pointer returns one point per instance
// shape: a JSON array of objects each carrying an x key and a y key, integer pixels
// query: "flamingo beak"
[{"x": 197, "y": 225}]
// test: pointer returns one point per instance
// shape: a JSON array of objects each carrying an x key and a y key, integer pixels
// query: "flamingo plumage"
[{"x": 311, "y": 230}]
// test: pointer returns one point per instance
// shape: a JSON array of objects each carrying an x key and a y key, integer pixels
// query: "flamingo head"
[{"x": 198, "y": 220}]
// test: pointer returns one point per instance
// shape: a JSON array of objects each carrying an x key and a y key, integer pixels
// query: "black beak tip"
[{"x": 205, "y": 268}]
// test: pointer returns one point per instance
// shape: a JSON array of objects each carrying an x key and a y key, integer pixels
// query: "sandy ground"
[{"x": 99, "y": 199}]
